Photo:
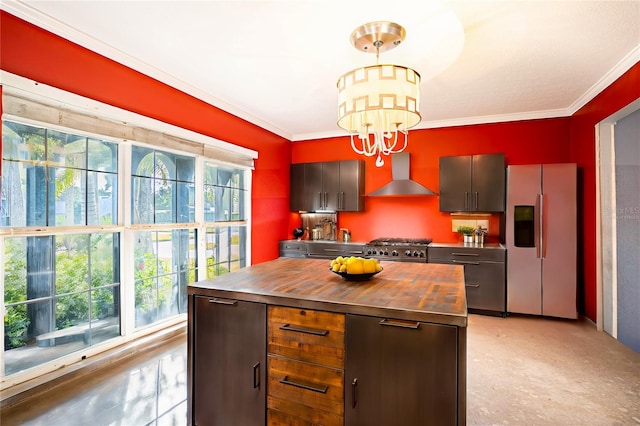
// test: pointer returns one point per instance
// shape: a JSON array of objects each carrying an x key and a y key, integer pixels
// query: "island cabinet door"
[
  {"x": 400, "y": 373},
  {"x": 229, "y": 362}
]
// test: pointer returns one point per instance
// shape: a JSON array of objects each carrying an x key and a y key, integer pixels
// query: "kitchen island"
[{"x": 290, "y": 342}]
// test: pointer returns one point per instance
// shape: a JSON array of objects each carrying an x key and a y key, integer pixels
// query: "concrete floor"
[
  {"x": 521, "y": 371},
  {"x": 533, "y": 371}
]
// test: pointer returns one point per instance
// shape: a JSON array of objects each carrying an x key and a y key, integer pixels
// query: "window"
[
  {"x": 165, "y": 262},
  {"x": 52, "y": 178},
  {"x": 61, "y": 289},
  {"x": 224, "y": 209},
  {"x": 165, "y": 259},
  {"x": 61, "y": 294},
  {"x": 162, "y": 187},
  {"x": 79, "y": 270}
]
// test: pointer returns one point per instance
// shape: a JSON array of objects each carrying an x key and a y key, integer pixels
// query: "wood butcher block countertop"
[{"x": 403, "y": 290}]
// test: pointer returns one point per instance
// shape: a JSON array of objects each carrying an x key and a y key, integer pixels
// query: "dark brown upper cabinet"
[
  {"x": 327, "y": 186},
  {"x": 472, "y": 183}
]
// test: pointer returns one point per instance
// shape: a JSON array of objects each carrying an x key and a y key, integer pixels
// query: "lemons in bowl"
[{"x": 355, "y": 268}]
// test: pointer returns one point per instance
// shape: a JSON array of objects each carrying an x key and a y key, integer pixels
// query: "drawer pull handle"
[
  {"x": 472, "y": 285},
  {"x": 305, "y": 330},
  {"x": 256, "y": 375},
  {"x": 397, "y": 323},
  {"x": 466, "y": 254},
  {"x": 354, "y": 392},
  {"x": 464, "y": 262},
  {"x": 285, "y": 381},
  {"x": 224, "y": 302},
  {"x": 332, "y": 250}
]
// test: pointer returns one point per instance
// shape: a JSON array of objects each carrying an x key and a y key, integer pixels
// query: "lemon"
[
  {"x": 369, "y": 266},
  {"x": 355, "y": 266}
]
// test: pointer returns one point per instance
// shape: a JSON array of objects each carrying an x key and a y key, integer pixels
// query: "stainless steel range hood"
[{"x": 401, "y": 185}]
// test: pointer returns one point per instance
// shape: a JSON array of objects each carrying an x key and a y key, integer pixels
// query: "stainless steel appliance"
[
  {"x": 541, "y": 239},
  {"x": 398, "y": 249}
]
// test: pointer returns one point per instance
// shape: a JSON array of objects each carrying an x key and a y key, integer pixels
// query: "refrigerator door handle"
[
  {"x": 538, "y": 227},
  {"x": 543, "y": 240}
]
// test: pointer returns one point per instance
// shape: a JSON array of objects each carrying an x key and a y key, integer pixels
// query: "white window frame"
[{"x": 78, "y": 115}]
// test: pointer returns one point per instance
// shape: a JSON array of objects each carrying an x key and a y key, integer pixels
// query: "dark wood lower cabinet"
[
  {"x": 228, "y": 340},
  {"x": 400, "y": 373}
]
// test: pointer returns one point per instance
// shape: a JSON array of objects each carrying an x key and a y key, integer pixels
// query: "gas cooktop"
[
  {"x": 399, "y": 249},
  {"x": 399, "y": 241}
]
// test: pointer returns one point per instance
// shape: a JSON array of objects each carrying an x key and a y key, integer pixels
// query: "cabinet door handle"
[
  {"x": 465, "y": 262},
  {"x": 466, "y": 254},
  {"x": 256, "y": 375},
  {"x": 320, "y": 194},
  {"x": 306, "y": 330},
  {"x": 286, "y": 381},
  {"x": 354, "y": 392},
  {"x": 466, "y": 200},
  {"x": 398, "y": 323},
  {"x": 472, "y": 285},
  {"x": 224, "y": 302},
  {"x": 476, "y": 202}
]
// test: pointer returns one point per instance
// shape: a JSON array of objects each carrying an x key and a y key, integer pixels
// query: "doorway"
[{"x": 618, "y": 225}]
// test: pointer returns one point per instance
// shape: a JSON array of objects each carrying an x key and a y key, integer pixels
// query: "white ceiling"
[{"x": 276, "y": 63}]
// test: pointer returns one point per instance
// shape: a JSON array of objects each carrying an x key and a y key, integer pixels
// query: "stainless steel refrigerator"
[{"x": 541, "y": 237}]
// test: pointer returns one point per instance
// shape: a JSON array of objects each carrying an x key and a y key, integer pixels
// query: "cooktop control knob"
[
  {"x": 394, "y": 253},
  {"x": 407, "y": 253}
]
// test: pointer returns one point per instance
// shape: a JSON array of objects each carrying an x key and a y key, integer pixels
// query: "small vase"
[{"x": 468, "y": 238}]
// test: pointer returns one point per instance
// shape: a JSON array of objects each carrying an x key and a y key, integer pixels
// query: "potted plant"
[{"x": 467, "y": 233}]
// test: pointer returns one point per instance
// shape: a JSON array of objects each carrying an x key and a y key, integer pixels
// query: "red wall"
[
  {"x": 34, "y": 53},
  {"x": 523, "y": 142}
]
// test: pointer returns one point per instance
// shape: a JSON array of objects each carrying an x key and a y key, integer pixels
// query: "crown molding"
[{"x": 616, "y": 72}]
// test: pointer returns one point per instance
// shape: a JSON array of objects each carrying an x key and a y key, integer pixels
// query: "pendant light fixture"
[{"x": 378, "y": 104}]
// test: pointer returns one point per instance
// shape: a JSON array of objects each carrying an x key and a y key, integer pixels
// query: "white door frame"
[{"x": 606, "y": 255}]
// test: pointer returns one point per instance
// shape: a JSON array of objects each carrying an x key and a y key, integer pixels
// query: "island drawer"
[
  {"x": 280, "y": 418},
  {"x": 305, "y": 390},
  {"x": 306, "y": 335}
]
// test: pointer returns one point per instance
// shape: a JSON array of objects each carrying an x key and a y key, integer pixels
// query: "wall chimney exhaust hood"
[{"x": 401, "y": 185}]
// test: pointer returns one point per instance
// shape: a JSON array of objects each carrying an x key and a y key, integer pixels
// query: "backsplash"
[
  {"x": 470, "y": 220},
  {"x": 326, "y": 222}
]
